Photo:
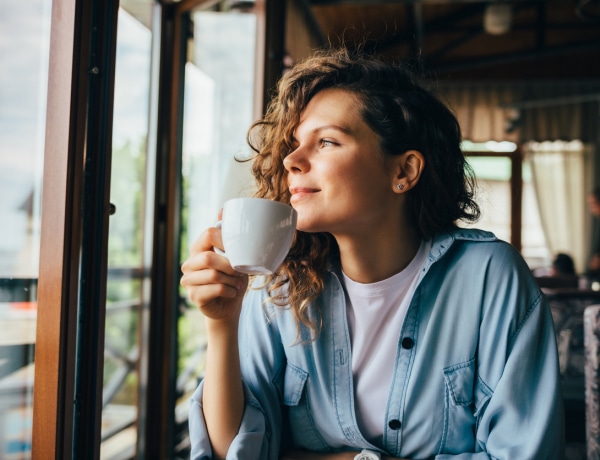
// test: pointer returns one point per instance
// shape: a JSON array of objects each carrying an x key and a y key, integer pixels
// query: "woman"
[{"x": 388, "y": 330}]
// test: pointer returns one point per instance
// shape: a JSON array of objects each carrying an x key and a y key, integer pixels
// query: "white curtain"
[
  {"x": 561, "y": 175},
  {"x": 563, "y": 171}
]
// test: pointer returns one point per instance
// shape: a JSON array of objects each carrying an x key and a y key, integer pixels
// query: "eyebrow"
[
  {"x": 343, "y": 129},
  {"x": 318, "y": 129}
]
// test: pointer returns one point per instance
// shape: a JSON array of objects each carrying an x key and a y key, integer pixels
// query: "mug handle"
[{"x": 217, "y": 250}]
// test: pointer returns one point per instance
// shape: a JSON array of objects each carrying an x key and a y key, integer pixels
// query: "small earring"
[{"x": 400, "y": 186}]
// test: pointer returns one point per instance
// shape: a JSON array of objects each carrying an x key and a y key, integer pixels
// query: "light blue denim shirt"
[{"x": 475, "y": 377}]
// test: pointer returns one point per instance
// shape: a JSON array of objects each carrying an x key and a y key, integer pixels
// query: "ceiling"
[{"x": 547, "y": 39}]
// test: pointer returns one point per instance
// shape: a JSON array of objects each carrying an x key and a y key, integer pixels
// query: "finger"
[
  {"x": 209, "y": 276},
  {"x": 205, "y": 289},
  {"x": 206, "y": 295},
  {"x": 208, "y": 260},
  {"x": 207, "y": 241}
]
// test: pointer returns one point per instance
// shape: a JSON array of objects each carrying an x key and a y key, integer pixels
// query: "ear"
[{"x": 408, "y": 169}]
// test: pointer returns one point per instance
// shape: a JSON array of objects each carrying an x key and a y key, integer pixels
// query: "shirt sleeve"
[
  {"x": 518, "y": 369},
  {"x": 524, "y": 416},
  {"x": 262, "y": 360},
  {"x": 248, "y": 444}
]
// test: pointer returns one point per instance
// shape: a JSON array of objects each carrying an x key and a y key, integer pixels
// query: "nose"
[{"x": 296, "y": 161}]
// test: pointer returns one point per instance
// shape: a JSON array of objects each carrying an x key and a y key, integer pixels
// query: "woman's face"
[{"x": 339, "y": 180}]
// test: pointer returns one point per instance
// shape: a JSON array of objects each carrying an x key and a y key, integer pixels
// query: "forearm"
[{"x": 223, "y": 397}]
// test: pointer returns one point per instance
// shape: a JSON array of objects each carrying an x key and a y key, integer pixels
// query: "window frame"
[
  {"x": 74, "y": 228},
  {"x": 75, "y": 216}
]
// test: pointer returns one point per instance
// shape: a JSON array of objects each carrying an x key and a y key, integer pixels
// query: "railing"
[
  {"x": 122, "y": 383},
  {"x": 17, "y": 347}
]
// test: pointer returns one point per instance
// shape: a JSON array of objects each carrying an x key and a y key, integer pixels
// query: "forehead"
[{"x": 335, "y": 107}]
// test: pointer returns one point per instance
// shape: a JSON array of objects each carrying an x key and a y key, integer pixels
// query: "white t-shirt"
[{"x": 376, "y": 313}]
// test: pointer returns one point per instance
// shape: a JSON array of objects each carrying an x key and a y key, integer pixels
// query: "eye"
[{"x": 327, "y": 143}]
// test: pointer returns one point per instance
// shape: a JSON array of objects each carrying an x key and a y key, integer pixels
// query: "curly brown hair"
[{"x": 404, "y": 115}]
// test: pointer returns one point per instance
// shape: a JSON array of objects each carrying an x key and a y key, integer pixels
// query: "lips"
[{"x": 302, "y": 192}]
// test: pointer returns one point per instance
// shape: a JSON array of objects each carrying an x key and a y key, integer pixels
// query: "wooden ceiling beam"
[{"x": 491, "y": 60}]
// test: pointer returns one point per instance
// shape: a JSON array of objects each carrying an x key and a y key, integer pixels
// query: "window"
[
  {"x": 108, "y": 382},
  {"x": 219, "y": 96},
  {"x": 23, "y": 86},
  {"x": 126, "y": 333},
  {"x": 507, "y": 198}
]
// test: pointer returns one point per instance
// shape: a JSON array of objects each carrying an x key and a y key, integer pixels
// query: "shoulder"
[
  {"x": 478, "y": 247},
  {"x": 494, "y": 270}
]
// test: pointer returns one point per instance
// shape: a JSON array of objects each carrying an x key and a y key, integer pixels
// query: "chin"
[
  {"x": 309, "y": 224},
  {"x": 308, "y": 227},
  {"x": 305, "y": 229}
]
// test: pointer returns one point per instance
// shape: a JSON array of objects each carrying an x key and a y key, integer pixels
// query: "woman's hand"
[
  {"x": 212, "y": 285},
  {"x": 218, "y": 290}
]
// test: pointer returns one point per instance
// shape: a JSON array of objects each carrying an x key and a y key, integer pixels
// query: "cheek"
[
  {"x": 370, "y": 179},
  {"x": 355, "y": 174}
]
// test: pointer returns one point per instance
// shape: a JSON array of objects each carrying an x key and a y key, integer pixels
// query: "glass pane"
[
  {"x": 219, "y": 94},
  {"x": 24, "y": 52},
  {"x": 494, "y": 198},
  {"x": 493, "y": 182},
  {"x": 126, "y": 259}
]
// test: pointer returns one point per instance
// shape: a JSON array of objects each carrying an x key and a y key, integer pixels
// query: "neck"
[{"x": 376, "y": 257}]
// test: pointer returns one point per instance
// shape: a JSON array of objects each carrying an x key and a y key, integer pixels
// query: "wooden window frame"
[
  {"x": 75, "y": 214},
  {"x": 72, "y": 274}
]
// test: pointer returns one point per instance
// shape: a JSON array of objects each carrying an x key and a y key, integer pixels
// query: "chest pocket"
[
  {"x": 304, "y": 432},
  {"x": 463, "y": 400}
]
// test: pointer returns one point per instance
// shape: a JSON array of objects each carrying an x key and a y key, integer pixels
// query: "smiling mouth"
[{"x": 301, "y": 192}]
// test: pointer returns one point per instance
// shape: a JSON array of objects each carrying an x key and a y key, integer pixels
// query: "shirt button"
[
  {"x": 407, "y": 343},
  {"x": 395, "y": 424}
]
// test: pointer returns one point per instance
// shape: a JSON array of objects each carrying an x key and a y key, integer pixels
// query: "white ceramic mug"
[{"x": 257, "y": 234}]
